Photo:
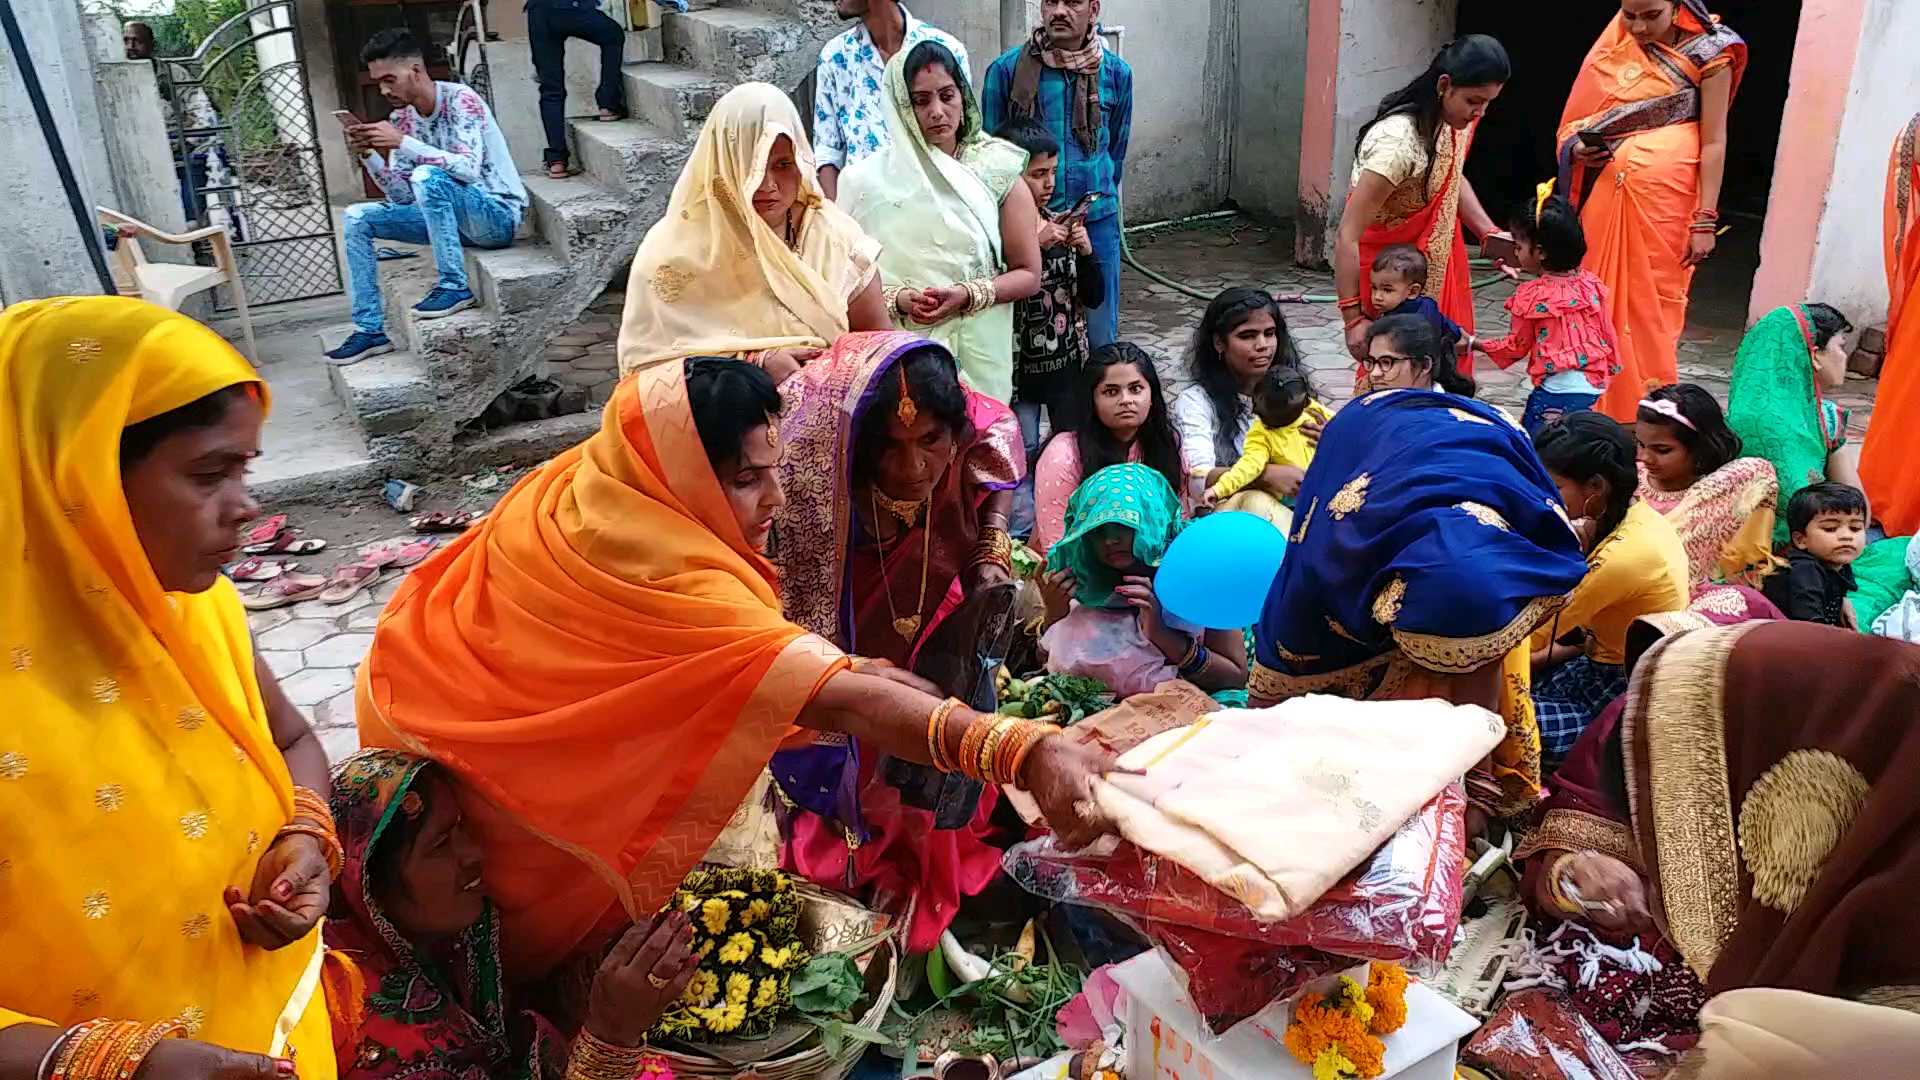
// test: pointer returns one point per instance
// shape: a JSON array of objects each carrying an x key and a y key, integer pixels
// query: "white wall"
[
  {"x": 1270, "y": 60},
  {"x": 975, "y": 22},
  {"x": 1178, "y": 49},
  {"x": 1849, "y": 268}
]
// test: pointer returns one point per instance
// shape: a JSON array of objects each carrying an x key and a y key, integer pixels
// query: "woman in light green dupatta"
[
  {"x": 959, "y": 232},
  {"x": 1777, "y": 401}
]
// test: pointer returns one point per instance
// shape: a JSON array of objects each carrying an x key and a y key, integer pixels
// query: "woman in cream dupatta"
[
  {"x": 959, "y": 227},
  {"x": 751, "y": 259}
]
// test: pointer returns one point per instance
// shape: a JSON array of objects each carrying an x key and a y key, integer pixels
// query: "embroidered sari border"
[{"x": 1457, "y": 656}]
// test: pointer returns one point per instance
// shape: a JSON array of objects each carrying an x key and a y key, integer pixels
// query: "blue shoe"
[
  {"x": 358, "y": 346},
  {"x": 442, "y": 302}
]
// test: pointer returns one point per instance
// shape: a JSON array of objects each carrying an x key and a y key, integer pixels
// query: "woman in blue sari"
[{"x": 1428, "y": 544}]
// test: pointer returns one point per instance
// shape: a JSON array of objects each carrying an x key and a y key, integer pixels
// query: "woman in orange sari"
[
  {"x": 1886, "y": 461},
  {"x": 604, "y": 667},
  {"x": 1409, "y": 186},
  {"x": 1642, "y": 151}
]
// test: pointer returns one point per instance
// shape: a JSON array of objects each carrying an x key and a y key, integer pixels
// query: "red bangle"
[{"x": 1348, "y": 302}]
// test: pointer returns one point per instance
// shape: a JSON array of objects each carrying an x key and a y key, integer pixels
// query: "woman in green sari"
[
  {"x": 1778, "y": 406},
  {"x": 959, "y": 232}
]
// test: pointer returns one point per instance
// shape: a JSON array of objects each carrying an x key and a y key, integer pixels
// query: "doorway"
[{"x": 1514, "y": 150}]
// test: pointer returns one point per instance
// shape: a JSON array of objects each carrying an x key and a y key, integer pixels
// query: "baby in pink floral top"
[{"x": 1559, "y": 320}]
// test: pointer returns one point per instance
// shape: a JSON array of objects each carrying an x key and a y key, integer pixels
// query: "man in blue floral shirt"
[
  {"x": 849, "y": 121},
  {"x": 1066, "y": 78}
]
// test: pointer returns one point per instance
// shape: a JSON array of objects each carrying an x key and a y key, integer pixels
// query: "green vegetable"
[
  {"x": 829, "y": 986},
  {"x": 1064, "y": 699},
  {"x": 1026, "y": 561}
]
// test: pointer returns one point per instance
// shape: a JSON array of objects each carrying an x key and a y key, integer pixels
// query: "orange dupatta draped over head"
[
  {"x": 603, "y": 663},
  {"x": 1646, "y": 101},
  {"x": 1891, "y": 445}
]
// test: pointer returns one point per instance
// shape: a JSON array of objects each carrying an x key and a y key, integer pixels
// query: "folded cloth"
[{"x": 1273, "y": 806}]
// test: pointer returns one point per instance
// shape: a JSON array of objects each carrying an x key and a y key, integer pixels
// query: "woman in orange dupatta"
[
  {"x": 1409, "y": 186},
  {"x": 604, "y": 665},
  {"x": 1886, "y": 461},
  {"x": 1642, "y": 151}
]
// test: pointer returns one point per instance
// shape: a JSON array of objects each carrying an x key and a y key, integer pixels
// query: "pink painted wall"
[
  {"x": 1316, "y": 132},
  {"x": 1803, "y": 170}
]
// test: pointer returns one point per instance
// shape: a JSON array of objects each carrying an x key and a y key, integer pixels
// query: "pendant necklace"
[{"x": 908, "y": 626}]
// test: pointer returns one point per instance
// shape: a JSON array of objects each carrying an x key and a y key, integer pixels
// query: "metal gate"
[{"x": 245, "y": 145}]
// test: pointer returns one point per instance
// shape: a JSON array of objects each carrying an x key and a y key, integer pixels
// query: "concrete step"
[
  {"x": 623, "y": 155},
  {"x": 515, "y": 279},
  {"x": 570, "y": 211},
  {"x": 642, "y": 46},
  {"x": 671, "y": 97},
  {"x": 735, "y": 43},
  {"x": 387, "y": 395}
]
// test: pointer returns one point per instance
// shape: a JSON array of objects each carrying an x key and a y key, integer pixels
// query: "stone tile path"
[{"x": 315, "y": 648}]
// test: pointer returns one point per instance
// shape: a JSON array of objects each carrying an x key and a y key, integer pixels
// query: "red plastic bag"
[
  {"x": 1402, "y": 905},
  {"x": 1535, "y": 1035},
  {"x": 1229, "y": 978}
]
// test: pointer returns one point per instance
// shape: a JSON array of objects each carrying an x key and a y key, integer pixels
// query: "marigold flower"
[
  {"x": 1387, "y": 993},
  {"x": 736, "y": 950},
  {"x": 777, "y": 959},
  {"x": 701, "y": 988},
  {"x": 739, "y": 986},
  {"x": 755, "y": 911},
  {"x": 768, "y": 993},
  {"x": 714, "y": 915},
  {"x": 1333, "y": 1065}
]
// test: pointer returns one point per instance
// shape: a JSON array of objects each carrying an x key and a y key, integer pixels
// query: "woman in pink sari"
[{"x": 899, "y": 479}]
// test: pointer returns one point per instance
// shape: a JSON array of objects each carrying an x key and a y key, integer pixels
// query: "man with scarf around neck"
[{"x": 1065, "y": 78}]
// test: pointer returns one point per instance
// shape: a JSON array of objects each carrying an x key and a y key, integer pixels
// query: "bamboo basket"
[{"x": 828, "y": 921}]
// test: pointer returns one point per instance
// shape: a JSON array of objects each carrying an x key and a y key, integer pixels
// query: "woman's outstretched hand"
[
  {"x": 289, "y": 894},
  {"x": 1059, "y": 774},
  {"x": 1610, "y": 892},
  {"x": 641, "y": 978}
]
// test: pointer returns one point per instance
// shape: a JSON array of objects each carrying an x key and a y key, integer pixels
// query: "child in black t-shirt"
[{"x": 1827, "y": 523}]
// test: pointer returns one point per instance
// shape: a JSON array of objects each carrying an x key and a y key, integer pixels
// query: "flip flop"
[
  {"x": 285, "y": 543},
  {"x": 348, "y": 581},
  {"x": 399, "y": 554},
  {"x": 289, "y": 588},
  {"x": 266, "y": 530},
  {"x": 258, "y": 569},
  {"x": 444, "y": 521}
]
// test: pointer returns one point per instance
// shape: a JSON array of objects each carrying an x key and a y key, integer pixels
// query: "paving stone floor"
[{"x": 315, "y": 648}]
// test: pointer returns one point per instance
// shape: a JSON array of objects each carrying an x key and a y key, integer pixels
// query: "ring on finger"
[{"x": 656, "y": 981}]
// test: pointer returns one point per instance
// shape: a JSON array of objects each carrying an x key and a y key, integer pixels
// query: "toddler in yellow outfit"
[{"x": 1282, "y": 404}]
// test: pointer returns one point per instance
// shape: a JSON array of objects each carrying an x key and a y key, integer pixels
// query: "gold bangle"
[
  {"x": 593, "y": 1058},
  {"x": 144, "y": 1042},
  {"x": 937, "y": 734},
  {"x": 991, "y": 744},
  {"x": 69, "y": 1046},
  {"x": 329, "y": 844},
  {"x": 1555, "y": 879},
  {"x": 970, "y": 747},
  {"x": 1034, "y": 738},
  {"x": 891, "y": 294}
]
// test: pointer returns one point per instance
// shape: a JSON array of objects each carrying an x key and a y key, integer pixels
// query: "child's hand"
[
  {"x": 1078, "y": 237},
  {"x": 1209, "y": 499},
  {"x": 1512, "y": 272},
  {"x": 1056, "y": 591},
  {"x": 1052, "y": 233}
]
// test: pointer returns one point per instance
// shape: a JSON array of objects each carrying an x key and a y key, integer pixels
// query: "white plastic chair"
[{"x": 169, "y": 284}]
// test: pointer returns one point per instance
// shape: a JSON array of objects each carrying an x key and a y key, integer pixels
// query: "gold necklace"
[
  {"x": 906, "y": 510},
  {"x": 909, "y": 626}
]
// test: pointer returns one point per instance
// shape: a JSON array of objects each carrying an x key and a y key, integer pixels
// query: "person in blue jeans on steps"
[
  {"x": 449, "y": 179},
  {"x": 549, "y": 24},
  {"x": 1065, "y": 78}
]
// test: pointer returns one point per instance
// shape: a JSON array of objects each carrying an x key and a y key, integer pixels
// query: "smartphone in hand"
[
  {"x": 346, "y": 119},
  {"x": 1079, "y": 210},
  {"x": 1500, "y": 249}
]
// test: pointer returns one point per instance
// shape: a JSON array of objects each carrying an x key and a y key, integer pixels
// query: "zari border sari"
[
  {"x": 138, "y": 776},
  {"x": 603, "y": 664},
  {"x": 1408, "y": 566},
  {"x": 1638, "y": 207},
  {"x": 1893, "y": 435},
  {"x": 1779, "y": 843},
  {"x": 940, "y": 216},
  {"x": 1725, "y": 521},
  {"x": 1424, "y": 211},
  {"x": 836, "y": 579}
]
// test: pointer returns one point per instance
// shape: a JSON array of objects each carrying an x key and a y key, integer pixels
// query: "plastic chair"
[{"x": 169, "y": 284}]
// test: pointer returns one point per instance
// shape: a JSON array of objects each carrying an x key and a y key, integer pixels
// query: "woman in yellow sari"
[
  {"x": 751, "y": 259},
  {"x": 604, "y": 667},
  {"x": 1642, "y": 151},
  {"x": 159, "y": 868}
]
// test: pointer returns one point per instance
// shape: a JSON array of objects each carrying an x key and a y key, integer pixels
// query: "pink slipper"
[
  {"x": 286, "y": 542},
  {"x": 399, "y": 554},
  {"x": 289, "y": 588},
  {"x": 258, "y": 569},
  {"x": 348, "y": 581},
  {"x": 266, "y": 530}
]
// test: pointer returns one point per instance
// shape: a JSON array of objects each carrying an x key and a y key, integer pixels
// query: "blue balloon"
[{"x": 1216, "y": 573}]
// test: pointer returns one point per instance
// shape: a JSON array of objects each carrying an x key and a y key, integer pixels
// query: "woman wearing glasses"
[{"x": 1406, "y": 352}]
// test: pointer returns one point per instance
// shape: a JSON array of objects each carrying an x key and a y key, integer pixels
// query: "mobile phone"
[
  {"x": 1080, "y": 208},
  {"x": 346, "y": 119},
  {"x": 1594, "y": 140},
  {"x": 1499, "y": 249}
]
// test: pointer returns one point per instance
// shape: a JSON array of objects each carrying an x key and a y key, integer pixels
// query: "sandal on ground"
[
  {"x": 399, "y": 554},
  {"x": 258, "y": 569},
  {"x": 438, "y": 521},
  {"x": 266, "y": 530},
  {"x": 289, "y": 588},
  {"x": 348, "y": 581},
  {"x": 608, "y": 116},
  {"x": 285, "y": 543},
  {"x": 560, "y": 170}
]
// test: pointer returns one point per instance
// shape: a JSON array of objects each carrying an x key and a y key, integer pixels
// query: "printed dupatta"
[{"x": 1614, "y": 99}]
